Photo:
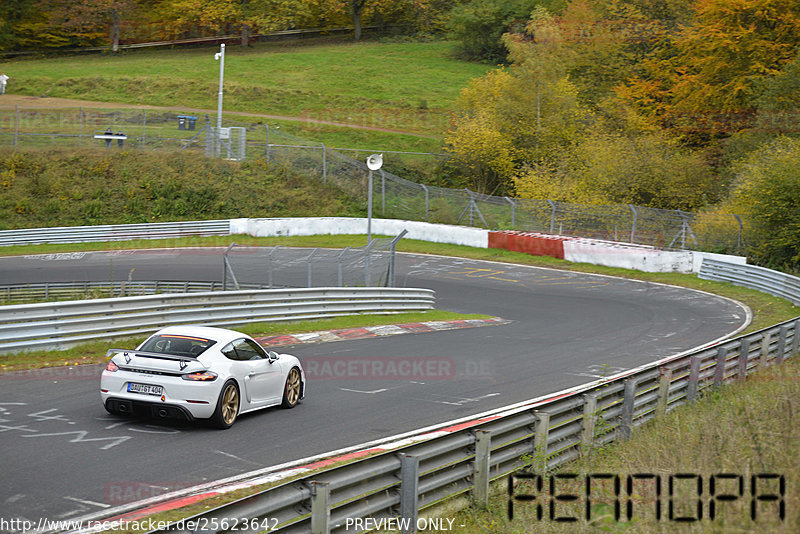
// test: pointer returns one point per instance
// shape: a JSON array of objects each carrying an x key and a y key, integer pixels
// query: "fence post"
[
  {"x": 324, "y": 164},
  {"x": 589, "y": 419},
  {"x": 626, "y": 421},
  {"x": 796, "y": 338},
  {"x": 694, "y": 378},
  {"x": 540, "y": 441},
  {"x": 310, "y": 260},
  {"x": 383, "y": 192},
  {"x": 80, "y": 125},
  {"x": 513, "y": 210},
  {"x": 663, "y": 391},
  {"x": 782, "y": 337},
  {"x": 552, "y": 216},
  {"x": 744, "y": 354},
  {"x": 320, "y": 511},
  {"x": 633, "y": 224},
  {"x": 483, "y": 446},
  {"x": 409, "y": 489},
  {"x": 144, "y": 126},
  {"x": 427, "y": 199},
  {"x": 764, "y": 353},
  {"x": 719, "y": 366}
]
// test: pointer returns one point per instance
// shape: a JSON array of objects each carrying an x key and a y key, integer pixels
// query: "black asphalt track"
[{"x": 64, "y": 457}]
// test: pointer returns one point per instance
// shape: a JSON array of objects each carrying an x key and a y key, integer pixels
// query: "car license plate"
[{"x": 145, "y": 389}]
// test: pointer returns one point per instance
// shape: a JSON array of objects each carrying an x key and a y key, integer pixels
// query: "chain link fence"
[
  {"x": 394, "y": 197},
  {"x": 276, "y": 267}
]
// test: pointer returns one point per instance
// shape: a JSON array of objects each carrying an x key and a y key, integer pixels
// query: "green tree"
[{"x": 767, "y": 193}]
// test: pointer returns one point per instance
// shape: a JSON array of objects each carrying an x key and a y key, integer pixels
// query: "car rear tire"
[
  {"x": 227, "y": 406},
  {"x": 292, "y": 389}
]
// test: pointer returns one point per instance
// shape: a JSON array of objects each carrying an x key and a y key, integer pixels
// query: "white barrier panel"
[{"x": 435, "y": 233}]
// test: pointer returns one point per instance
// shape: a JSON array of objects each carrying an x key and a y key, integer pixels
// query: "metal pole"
[
  {"x": 320, "y": 511},
  {"x": 744, "y": 355},
  {"x": 324, "y": 165},
  {"x": 383, "y": 193},
  {"x": 633, "y": 224},
  {"x": 628, "y": 399},
  {"x": 427, "y": 198},
  {"x": 663, "y": 391},
  {"x": 221, "y": 57},
  {"x": 589, "y": 419},
  {"x": 513, "y": 209},
  {"x": 552, "y": 216},
  {"x": 409, "y": 489},
  {"x": 694, "y": 378},
  {"x": 144, "y": 126},
  {"x": 540, "y": 441},
  {"x": 483, "y": 446},
  {"x": 369, "y": 209},
  {"x": 719, "y": 366}
]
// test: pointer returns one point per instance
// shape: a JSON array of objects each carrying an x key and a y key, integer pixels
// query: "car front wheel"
[
  {"x": 291, "y": 392},
  {"x": 227, "y": 406}
]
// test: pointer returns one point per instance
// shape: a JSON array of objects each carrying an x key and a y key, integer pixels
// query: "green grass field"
[{"x": 401, "y": 86}]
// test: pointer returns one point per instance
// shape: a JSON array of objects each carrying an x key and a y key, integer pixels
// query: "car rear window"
[{"x": 177, "y": 345}]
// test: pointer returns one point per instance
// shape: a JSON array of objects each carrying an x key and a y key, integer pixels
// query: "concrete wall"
[
  {"x": 435, "y": 233},
  {"x": 640, "y": 258}
]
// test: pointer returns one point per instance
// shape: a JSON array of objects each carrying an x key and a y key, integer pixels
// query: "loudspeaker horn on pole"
[{"x": 374, "y": 162}]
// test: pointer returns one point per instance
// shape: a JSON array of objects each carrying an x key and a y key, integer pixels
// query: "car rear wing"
[{"x": 127, "y": 353}]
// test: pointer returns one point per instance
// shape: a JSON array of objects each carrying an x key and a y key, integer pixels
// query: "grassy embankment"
[{"x": 402, "y": 87}]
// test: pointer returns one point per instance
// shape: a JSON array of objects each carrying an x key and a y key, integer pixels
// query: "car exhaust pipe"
[
  {"x": 162, "y": 412},
  {"x": 123, "y": 408}
]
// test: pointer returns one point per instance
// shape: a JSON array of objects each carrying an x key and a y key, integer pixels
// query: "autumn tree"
[
  {"x": 90, "y": 19},
  {"x": 706, "y": 77}
]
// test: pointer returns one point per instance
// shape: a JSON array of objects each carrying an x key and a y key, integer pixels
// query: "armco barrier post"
[
  {"x": 483, "y": 446},
  {"x": 744, "y": 354},
  {"x": 626, "y": 421},
  {"x": 663, "y": 391},
  {"x": 589, "y": 419},
  {"x": 540, "y": 441},
  {"x": 719, "y": 366},
  {"x": 764, "y": 353},
  {"x": 782, "y": 337},
  {"x": 694, "y": 378},
  {"x": 320, "y": 511},
  {"x": 409, "y": 491},
  {"x": 796, "y": 338}
]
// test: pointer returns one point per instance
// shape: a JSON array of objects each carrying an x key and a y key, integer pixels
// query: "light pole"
[
  {"x": 220, "y": 56},
  {"x": 374, "y": 163}
]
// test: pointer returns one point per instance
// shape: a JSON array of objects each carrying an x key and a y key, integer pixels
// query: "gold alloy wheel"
[
  {"x": 292, "y": 394},
  {"x": 230, "y": 404}
]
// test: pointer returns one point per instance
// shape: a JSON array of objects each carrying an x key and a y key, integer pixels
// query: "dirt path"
[{"x": 9, "y": 101}]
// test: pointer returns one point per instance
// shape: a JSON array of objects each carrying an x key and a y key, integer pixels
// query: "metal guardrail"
[
  {"x": 59, "y": 325},
  {"x": 47, "y": 291},
  {"x": 113, "y": 232},
  {"x": 541, "y": 434},
  {"x": 758, "y": 278}
]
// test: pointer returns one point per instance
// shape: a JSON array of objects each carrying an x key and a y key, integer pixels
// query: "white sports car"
[{"x": 194, "y": 372}]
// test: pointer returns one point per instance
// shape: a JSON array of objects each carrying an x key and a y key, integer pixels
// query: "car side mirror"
[{"x": 273, "y": 356}]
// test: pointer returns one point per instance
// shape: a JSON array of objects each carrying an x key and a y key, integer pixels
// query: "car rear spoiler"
[{"x": 161, "y": 356}]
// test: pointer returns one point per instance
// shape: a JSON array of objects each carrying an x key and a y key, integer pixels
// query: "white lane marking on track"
[
  {"x": 90, "y": 503},
  {"x": 367, "y": 392},
  {"x": 467, "y": 400}
]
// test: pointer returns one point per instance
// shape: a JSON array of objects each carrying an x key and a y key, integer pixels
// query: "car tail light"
[
  {"x": 111, "y": 366},
  {"x": 200, "y": 376}
]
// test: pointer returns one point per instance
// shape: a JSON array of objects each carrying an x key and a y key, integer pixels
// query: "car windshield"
[{"x": 177, "y": 345}]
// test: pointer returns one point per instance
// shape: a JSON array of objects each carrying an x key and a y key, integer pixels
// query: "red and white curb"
[{"x": 348, "y": 334}]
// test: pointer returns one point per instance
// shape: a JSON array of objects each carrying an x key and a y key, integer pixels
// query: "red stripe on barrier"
[{"x": 528, "y": 242}]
